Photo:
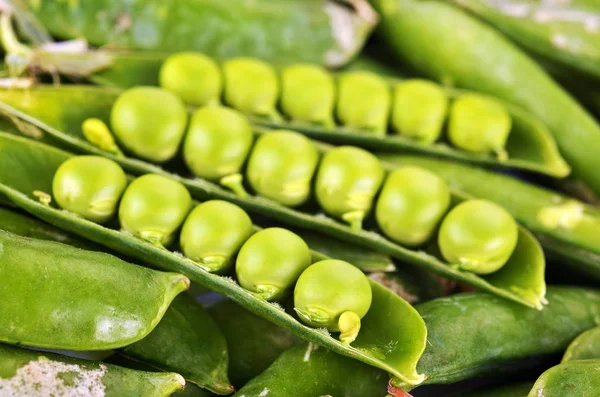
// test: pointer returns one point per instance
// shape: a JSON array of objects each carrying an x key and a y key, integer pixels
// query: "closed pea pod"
[
  {"x": 213, "y": 233},
  {"x": 411, "y": 205},
  {"x": 579, "y": 378},
  {"x": 89, "y": 186},
  {"x": 364, "y": 101},
  {"x": 271, "y": 261},
  {"x": 478, "y": 236},
  {"x": 419, "y": 110},
  {"x": 217, "y": 143},
  {"x": 251, "y": 86},
  {"x": 281, "y": 167},
  {"x": 347, "y": 182},
  {"x": 153, "y": 207},
  {"x": 193, "y": 77},
  {"x": 479, "y": 124},
  {"x": 335, "y": 295},
  {"x": 149, "y": 122},
  {"x": 308, "y": 94}
]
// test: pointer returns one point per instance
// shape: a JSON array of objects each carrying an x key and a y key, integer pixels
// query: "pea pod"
[
  {"x": 520, "y": 280},
  {"x": 401, "y": 345},
  {"x": 22, "y": 369},
  {"x": 99, "y": 318},
  {"x": 482, "y": 59},
  {"x": 573, "y": 378},
  {"x": 585, "y": 347}
]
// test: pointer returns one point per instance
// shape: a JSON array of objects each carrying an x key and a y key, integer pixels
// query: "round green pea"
[
  {"x": 193, "y": 77},
  {"x": 308, "y": 94},
  {"x": 281, "y": 167},
  {"x": 478, "y": 236},
  {"x": 347, "y": 181},
  {"x": 411, "y": 205},
  {"x": 419, "y": 110},
  {"x": 153, "y": 207},
  {"x": 479, "y": 124},
  {"x": 89, "y": 186},
  {"x": 364, "y": 102},
  {"x": 327, "y": 290},
  {"x": 217, "y": 143},
  {"x": 251, "y": 86},
  {"x": 271, "y": 261},
  {"x": 149, "y": 122},
  {"x": 213, "y": 233}
]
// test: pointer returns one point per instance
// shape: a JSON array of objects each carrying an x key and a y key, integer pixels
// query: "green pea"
[
  {"x": 217, "y": 143},
  {"x": 251, "y": 86},
  {"x": 213, "y": 233},
  {"x": 308, "y": 94},
  {"x": 364, "y": 102},
  {"x": 149, "y": 122},
  {"x": 478, "y": 236},
  {"x": 281, "y": 167},
  {"x": 479, "y": 124},
  {"x": 347, "y": 182},
  {"x": 271, "y": 261},
  {"x": 153, "y": 207},
  {"x": 419, "y": 110},
  {"x": 193, "y": 77},
  {"x": 411, "y": 205},
  {"x": 335, "y": 295},
  {"x": 89, "y": 186}
]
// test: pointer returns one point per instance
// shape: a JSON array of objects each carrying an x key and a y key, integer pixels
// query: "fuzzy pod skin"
[
  {"x": 56, "y": 296},
  {"x": 478, "y": 236},
  {"x": 585, "y": 347},
  {"x": 411, "y": 205},
  {"x": 251, "y": 86},
  {"x": 217, "y": 142},
  {"x": 364, "y": 102},
  {"x": 479, "y": 124},
  {"x": 193, "y": 77},
  {"x": 329, "y": 289},
  {"x": 38, "y": 374},
  {"x": 271, "y": 261},
  {"x": 149, "y": 122},
  {"x": 308, "y": 94},
  {"x": 281, "y": 167},
  {"x": 213, "y": 233},
  {"x": 89, "y": 186},
  {"x": 419, "y": 110},
  {"x": 153, "y": 207},
  {"x": 574, "y": 379},
  {"x": 347, "y": 181}
]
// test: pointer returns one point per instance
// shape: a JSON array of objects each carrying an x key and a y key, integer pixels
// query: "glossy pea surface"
[
  {"x": 281, "y": 167},
  {"x": 308, "y": 94},
  {"x": 251, "y": 86},
  {"x": 347, "y": 181},
  {"x": 214, "y": 232},
  {"x": 364, "y": 101},
  {"x": 478, "y": 236},
  {"x": 153, "y": 207},
  {"x": 193, "y": 77},
  {"x": 271, "y": 261},
  {"x": 329, "y": 288},
  {"x": 217, "y": 142},
  {"x": 412, "y": 203},
  {"x": 419, "y": 110},
  {"x": 479, "y": 124},
  {"x": 149, "y": 122},
  {"x": 89, "y": 186}
]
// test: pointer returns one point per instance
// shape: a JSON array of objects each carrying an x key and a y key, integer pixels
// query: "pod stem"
[
  {"x": 98, "y": 134},
  {"x": 234, "y": 183},
  {"x": 501, "y": 154},
  {"x": 43, "y": 197},
  {"x": 349, "y": 325},
  {"x": 153, "y": 237},
  {"x": 18, "y": 55},
  {"x": 355, "y": 219},
  {"x": 267, "y": 292},
  {"x": 212, "y": 264}
]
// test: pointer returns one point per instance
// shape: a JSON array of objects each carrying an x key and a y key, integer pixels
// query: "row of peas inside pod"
[
  {"x": 359, "y": 100},
  {"x": 411, "y": 203},
  {"x": 328, "y": 294}
]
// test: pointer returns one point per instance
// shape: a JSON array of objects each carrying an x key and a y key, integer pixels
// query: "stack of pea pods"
[{"x": 300, "y": 198}]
